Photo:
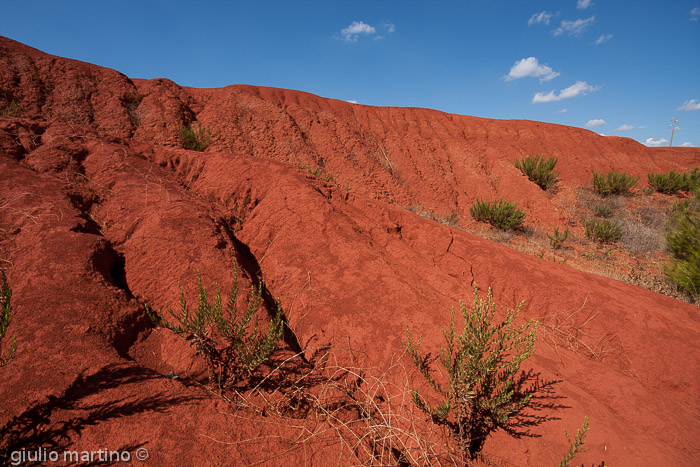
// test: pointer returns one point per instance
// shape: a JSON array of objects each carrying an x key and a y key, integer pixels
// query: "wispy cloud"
[
  {"x": 692, "y": 104},
  {"x": 695, "y": 14},
  {"x": 579, "y": 88},
  {"x": 530, "y": 67},
  {"x": 388, "y": 28},
  {"x": 595, "y": 123},
  {"x": 625, "y": 127},
  {"x": 655, "y": 142},
  {"x": 688, "y": 144},
  {"x": 603, "y": 38},
  {"x": 357, "y": 28},
  {"x": 352, "y": 101},
  {"x": 574, "y": 28},
  {"x": 562, "y": 111},
  {"x": 583, "y": 4},
  {"x": 543, "y": 17}
]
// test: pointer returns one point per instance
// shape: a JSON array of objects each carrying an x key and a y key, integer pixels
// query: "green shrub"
[
  {"x": 500, "y": 214},
  {"x": 576, "y": 446},
  {"x": 615, "y": 183},
  {"x": 603, "y": 230},
  {"x": 244, "y": 349},
  {"x": 683, "y": 242},
  {"x": 482, "y": 363},
  {"x": 672, "y": 181},
  {"x": 556, "y": 240},
  {"x": 195, "y": 138},
  {"x": 539, "y": 170},
  {"x": 5, "y": 312}
]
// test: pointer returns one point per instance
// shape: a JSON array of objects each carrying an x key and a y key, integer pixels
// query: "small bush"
[
  {"x": 195, "y": 138},
  {"x": 683, "y": 242},
  {"x": 556, "y": 240},
  {"x": 603, "y": 230},
  {"x": 539, "y": 170},
  {"x": 576, "y": 446},
  {"x": 500, "y": 214},
  {"x": 614, "y": 183},
  {"x": 673, "y": 182},
  {"x": 244, "y": 349},
  {"x": 5, "y": 312},
  {"x": 482, "y": 364}
]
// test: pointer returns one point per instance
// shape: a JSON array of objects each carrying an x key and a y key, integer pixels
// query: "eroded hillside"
[{"x": 102, "y": 212}]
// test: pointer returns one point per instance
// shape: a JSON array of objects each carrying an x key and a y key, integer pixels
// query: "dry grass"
[
  {"x": 450, "y": 219},
  {"x": 371, "y": 420},
  {"x": 566, "y": 327}
]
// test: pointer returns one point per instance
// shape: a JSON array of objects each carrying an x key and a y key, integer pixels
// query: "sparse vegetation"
[
  {"x": 244, "y": 349},
  {"x": 5, "y": 314},
  {"x": 195, "y": 138},
  {"x": 556, "y": 240},
  {"x": 500, "y": 214},
  {"x": 539, "y": 170},
  {"x": 318, "y": 173},
  {"x": 576, "y": 446},
  {"x": 673, "y": 182},
  {"x": 603, "y": 230},
  {"x": 482, "y": 362},
  {"x": 683, "y": 242},
  {"x": 450, "y": 219},
  {"x": 606, "y": 208},
  {"x": 11, "y": 109},
  {"x": 614, "y": 183}
]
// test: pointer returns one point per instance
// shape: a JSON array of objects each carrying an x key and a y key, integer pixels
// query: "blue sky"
[{"x": 617, "y": 67}]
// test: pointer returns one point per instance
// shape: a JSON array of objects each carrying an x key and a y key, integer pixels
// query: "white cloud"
[
  {"x": 695, "y": 14},
  {"x": 352, "y": 32},
  {"x": 687, "y": 144},
  {"x": 530, "y": 67},
  {"x": 574, "y": 28},
  {"x": 352, "y": 101},
  {"x": 655, "y": 142},
  {"x": 625, "y": 127},
  {"x": 389, "y": 27},
  {"x": 579, "y": 88},
  {"x": 603, "y": 38},
  {"x": 641, "y": 127},
  {"x": 583, "y": 4},
  {"x": 692, "y": 104},
  {"x": 562, "y": 111},
  {"x": 539, "y": 18},
  {"x": 595, "y": 123}
]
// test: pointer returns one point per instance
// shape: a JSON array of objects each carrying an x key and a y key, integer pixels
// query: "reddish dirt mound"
[{"x": 101, "y": 213}]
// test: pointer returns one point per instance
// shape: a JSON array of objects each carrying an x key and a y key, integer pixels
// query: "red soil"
[{"x": 100, "y": 213}]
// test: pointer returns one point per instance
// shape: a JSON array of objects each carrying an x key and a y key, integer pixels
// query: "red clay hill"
[{"x": 102, "y": 212}]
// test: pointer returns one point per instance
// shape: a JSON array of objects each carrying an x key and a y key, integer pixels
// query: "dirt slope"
[{"x": 101, "y": 213}]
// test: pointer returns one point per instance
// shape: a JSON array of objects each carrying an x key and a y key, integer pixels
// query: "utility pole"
[{"x": 673, "y": 128}]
